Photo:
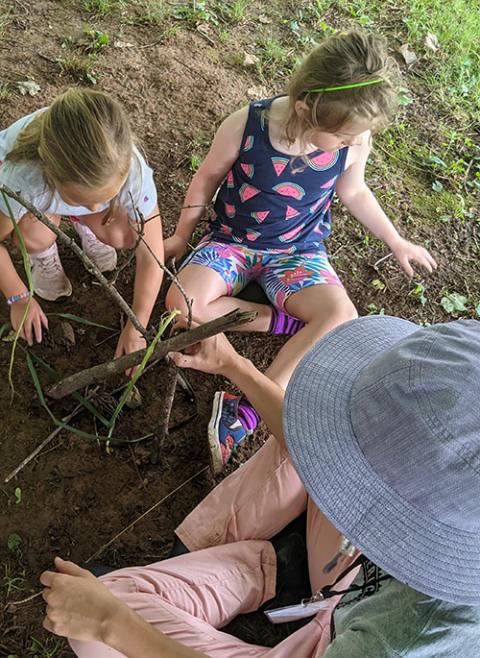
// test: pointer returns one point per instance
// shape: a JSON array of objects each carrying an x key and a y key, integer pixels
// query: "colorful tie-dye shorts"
[{"x": 279, "y": 273}]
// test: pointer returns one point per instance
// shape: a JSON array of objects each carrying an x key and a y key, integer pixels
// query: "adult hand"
[
  {"x": 213, "y": 355},
  {"x": 130, "y": 340},
  {"x": 174, "y": 247},
  {"x": 405, "y": 251},
  {"x": 78, "y": 605},
  {"x": 35, "y": 319}
]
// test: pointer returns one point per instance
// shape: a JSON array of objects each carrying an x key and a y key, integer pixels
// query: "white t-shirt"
[{"x": 27, "y": 179}]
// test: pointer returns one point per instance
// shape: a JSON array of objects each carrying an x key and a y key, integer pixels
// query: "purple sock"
[
  {"x": 282, "y": 323},
  {"x": 247, "y": 414}
]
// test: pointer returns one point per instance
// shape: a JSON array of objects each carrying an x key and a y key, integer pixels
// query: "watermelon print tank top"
[{"x": 270, "y": 200}]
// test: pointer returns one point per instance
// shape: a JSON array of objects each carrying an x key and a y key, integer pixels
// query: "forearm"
[
  {"x": 265, "y": 395},
  {"x": 148, "y": 279},
  {"x": 364, "y": 206},
  {"x": 135, "y": 638},
  {"x": 199, "y": 194},
  {"x": 10, "y": 282}
]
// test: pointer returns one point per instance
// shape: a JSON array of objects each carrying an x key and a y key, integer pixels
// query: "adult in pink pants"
[{"x": 381, "y": 426}]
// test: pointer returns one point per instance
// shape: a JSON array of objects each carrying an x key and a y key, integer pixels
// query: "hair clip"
[{"x": 353, "y": 85}]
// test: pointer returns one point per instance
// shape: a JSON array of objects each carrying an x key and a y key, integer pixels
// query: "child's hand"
[
  {"x": 405, "y": 251},
  {"x": 78, "y": 605},
  {"x": 35, "y": 320},
  {"x": 130, "y": 340},
  {"x": 174, "y": 247},
  {"x": 214, "y": 355}
]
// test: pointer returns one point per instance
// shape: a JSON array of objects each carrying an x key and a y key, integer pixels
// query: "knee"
[
  {"x": 176, "y": 300},
  {"x": 346, "y": 311},
  {"x": 119, "y": 239}
]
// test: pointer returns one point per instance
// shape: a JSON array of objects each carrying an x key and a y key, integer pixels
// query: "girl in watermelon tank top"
[{"x": 278, "y": 163}]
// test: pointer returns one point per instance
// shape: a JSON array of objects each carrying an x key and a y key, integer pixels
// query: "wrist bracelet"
[{"x": 16, "y": 298}]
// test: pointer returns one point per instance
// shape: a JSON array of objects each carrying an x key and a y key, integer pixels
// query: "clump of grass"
[
  {"x": 5, "y": 91},
  {"x": 103, "y": 7},
  {"x": 153, "y": 12},
  {"x": 80, "y": 67},
  {"x": 5, "y": 20}
]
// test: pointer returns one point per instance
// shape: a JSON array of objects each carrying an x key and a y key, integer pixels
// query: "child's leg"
[
  {"x": 322, "y": 307},
  {"x": 189, "y": 597},
  {"x": 49, "y": 280},
  {"x": 307, "y": 287},
  {"x": 212, "y": 275}
]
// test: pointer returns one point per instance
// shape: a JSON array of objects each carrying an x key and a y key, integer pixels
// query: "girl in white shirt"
[{"x": 77, "y": 158}]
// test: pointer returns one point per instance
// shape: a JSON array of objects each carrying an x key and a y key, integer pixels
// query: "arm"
[
  {"x": 82, "y": 608},
  {"x": 362, "y": 204},
  {"x": 217, "y": 356},
  {"x": 223, "y": 153},
  {"x": 26, "y": 310},
  {"x": 148, "y": 279}
]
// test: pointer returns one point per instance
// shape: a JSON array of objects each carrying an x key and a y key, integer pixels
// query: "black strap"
[{"x": 367, "y": 588}]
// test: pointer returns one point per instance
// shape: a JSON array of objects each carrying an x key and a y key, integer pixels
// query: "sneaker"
[
  {"x": 103, "y": 256},
  {"x": 225, "y": 430},
  {"x": 49, "y": 279}
]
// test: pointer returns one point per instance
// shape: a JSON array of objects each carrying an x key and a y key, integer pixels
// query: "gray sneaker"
[
  {"x": 49, "y": 279},
  {"x": 104, "y": 256}
]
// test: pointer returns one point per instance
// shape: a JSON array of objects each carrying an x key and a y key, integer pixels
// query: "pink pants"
[{"x": 232, "y": 569}]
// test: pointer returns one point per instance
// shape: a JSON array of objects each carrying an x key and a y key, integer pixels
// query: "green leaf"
[
  {"x": 80, "y": 320},
  {"x": 148, "y": 353},
  {"x": 437, "y": 186},
  {"x": 454, "y": 303},
  {"x": 13, "y": 542},
  {"x": 378, "y": 285},
  {"x": 18, "y": 496},
  {"x": 4, "y": 328}
]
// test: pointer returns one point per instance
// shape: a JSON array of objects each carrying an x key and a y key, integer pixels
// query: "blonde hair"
[
  {"x": 342, "y": 59},
  {"x": 83, "y": 137}
]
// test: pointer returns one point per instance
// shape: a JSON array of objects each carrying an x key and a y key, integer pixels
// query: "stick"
[
  {"x": 167, "y": 403},
  {"x": 99, "y": 373},
  {"x": 89, "y": 265},
  {"x": 119, "y": 534},
  {"x": 49, "y": 438}
]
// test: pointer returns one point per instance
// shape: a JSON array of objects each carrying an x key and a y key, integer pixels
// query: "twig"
[
  {"x": 119, "y": 534},
  {"x": 165, "y": 411},
  {"x": 49, "y": 438},
  {"x": 380, "y": 260},
  {"x": 29, "y": 598},
  {"x": 89, "y": 265},
  {"x": 163, "y": 267},
  {"x": 108, "y": 369}
]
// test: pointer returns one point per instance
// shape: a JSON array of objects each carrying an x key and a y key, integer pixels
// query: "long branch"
[
  {"x": 102, "y": 371},
  {"x": 89, "y": 265}
]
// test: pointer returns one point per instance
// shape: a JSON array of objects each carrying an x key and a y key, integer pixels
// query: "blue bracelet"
[{"x": 16, "y": 298}]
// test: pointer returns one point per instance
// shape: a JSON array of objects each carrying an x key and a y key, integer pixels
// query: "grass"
[
  {"x": 5, "y": 91},
  {"x": 11, "y": 582},
  {"x": 80, "y": 67},
  {"x": 5, "y": 20}
]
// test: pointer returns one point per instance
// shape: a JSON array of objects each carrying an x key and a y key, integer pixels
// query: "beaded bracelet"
[{"x": 16, "y": 298}]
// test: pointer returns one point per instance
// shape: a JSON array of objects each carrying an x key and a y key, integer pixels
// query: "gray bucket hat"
[{"x": 382, "y": 421}]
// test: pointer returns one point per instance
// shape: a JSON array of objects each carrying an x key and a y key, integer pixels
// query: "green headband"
[{"x": 354, "y": 85}]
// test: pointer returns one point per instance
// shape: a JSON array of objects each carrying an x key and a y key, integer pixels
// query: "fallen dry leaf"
[
  {"x": 431, "y": 42},
  {"x": 250, "y": 60},
  {"x": 408, "y": 55},
  {"x": 28, "y": 87},
  {"x": 123, "y": 44}
]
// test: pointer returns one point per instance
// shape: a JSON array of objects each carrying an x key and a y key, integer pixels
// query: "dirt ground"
[{"x": 76, "y": 496}]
